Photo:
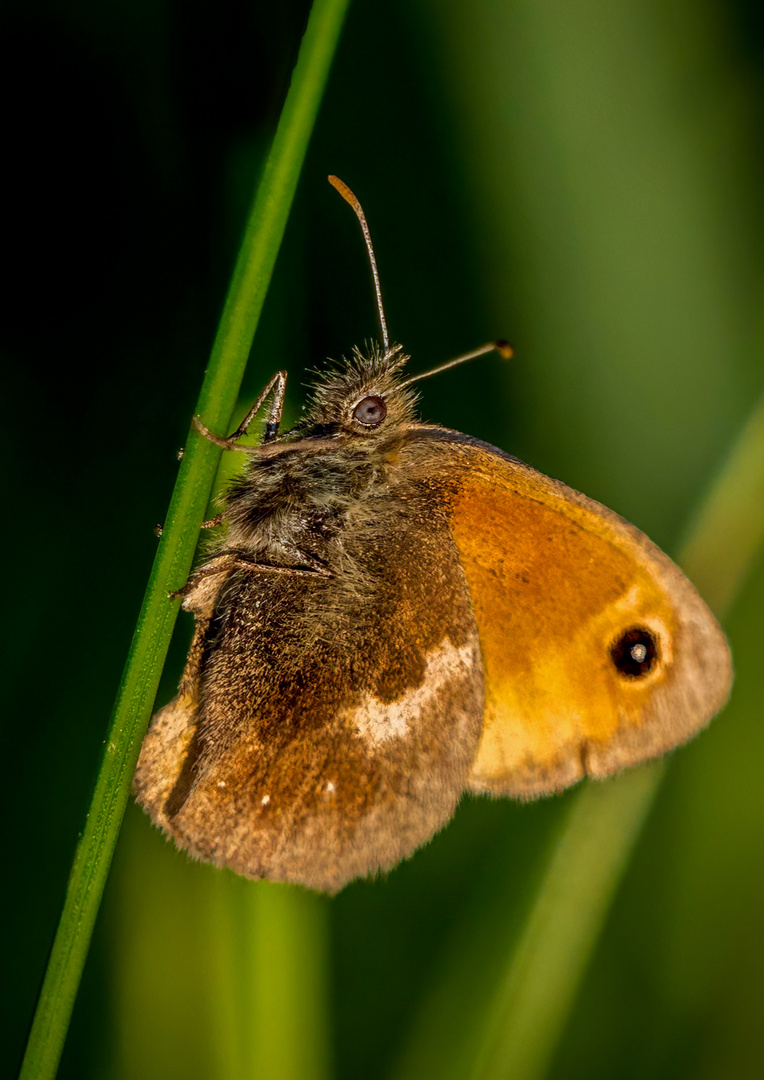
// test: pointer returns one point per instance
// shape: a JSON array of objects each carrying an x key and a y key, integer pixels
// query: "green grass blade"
[
  {"x": 534, "y": 997},
  {"x": 267, "y": 1002},
  {"x": 723, "y": 538},
  {"x": 538, "y": 988},
  {"x": 289, "y": 934},
  {"x": 140, "y": 679}
]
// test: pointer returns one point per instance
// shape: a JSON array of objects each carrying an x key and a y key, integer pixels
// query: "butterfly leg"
[
  {"x": 217, "y": 520},
  {"x": 277, "y": 384},
  {"x": 225, "y": 561}
]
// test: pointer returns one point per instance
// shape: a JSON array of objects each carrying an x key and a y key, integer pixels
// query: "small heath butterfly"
[{"x": 396, "y": 614}]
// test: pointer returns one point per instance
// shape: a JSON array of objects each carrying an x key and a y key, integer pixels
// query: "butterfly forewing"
[{"x": 326, "y": 727}]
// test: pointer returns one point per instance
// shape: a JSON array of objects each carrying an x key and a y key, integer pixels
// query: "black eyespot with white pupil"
[
  {"x": 370, "y": 412},
  {"x": 635, "y": 652}
]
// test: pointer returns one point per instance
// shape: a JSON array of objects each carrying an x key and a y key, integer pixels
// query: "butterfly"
[{"x": 397, "y": 614}]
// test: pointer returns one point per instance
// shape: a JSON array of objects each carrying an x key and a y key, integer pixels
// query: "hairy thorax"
[{"x": 298, "y": 506}]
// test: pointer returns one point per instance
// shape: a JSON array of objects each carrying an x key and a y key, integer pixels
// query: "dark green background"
[{"x": 580, "y": 176}]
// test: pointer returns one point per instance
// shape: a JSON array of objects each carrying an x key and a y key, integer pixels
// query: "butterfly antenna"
[
  {"x": 349, "y": 197},
  {"x": 502, "y": 347}
]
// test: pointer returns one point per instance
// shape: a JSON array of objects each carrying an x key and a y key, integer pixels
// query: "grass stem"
[{"x": 148, "y": 649}]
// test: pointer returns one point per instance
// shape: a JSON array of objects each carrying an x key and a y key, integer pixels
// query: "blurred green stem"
[
  {"x": 725, "y": 534},
  {"x": 538, "y": 987},
  {"x": 289, "y": 935},
  {"x": 269, "y": 991},
  {"x": 140, "y": 679}
]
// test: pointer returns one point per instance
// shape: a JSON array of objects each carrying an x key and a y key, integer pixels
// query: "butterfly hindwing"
[{"x": 558, "y": 585}]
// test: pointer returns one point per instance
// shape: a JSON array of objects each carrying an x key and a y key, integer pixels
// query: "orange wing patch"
[{"x": 556, "y": 580}]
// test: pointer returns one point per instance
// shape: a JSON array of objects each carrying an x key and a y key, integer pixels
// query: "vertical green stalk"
[
  {"x": 268, "y": 996},
  {"x": 539, "y": 984},
  {"x": 148, "y": 649},
  {"x": 289, "y": 936}
]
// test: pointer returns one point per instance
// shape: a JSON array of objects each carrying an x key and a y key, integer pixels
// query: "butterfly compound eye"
[
  {"x": 635, "y": 653},
  {"x": 370, "y": 412}
]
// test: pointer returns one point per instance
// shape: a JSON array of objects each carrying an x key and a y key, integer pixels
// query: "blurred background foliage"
[{"x": 580, "y": 176}]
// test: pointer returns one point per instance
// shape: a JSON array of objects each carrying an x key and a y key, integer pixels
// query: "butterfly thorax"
[{"x": 300, "y": 494}]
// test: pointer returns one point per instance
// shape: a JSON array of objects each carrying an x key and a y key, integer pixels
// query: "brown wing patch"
[
  {"x": 556, "y": 580},
  {"x": 332, "y": 724}
]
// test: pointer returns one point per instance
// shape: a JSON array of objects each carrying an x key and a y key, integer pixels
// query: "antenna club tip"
[
  {"x": 504, "y": 348},
  {"x": 344, "y": 190}
]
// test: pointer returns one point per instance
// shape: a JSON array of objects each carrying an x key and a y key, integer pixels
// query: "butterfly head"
[{"x": 361, "y": 396}]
